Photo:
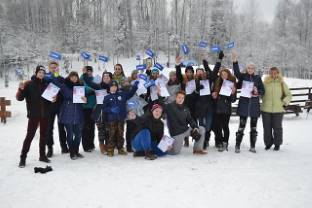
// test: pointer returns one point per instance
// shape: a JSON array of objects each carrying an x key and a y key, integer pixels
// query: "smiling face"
[
  {"x": 180, "y": 98},
  {"x": 251, "y": 68},
  {"x": 157, "y": 113},
  {"x": 106, "y": 79},
  {"x": 117, "y": 70},
  {"x": 189, "y": 74},
  {"x": 200, "y": 73},
  {"x": 53, "y": 68},
  {"x": 40, "y": 74},
  {"x": 274, "y": 73},
  {"x": 73, "y": 79},
  {"x": 224, "y": 75},
  {"x": 113, "y": 89},
  {"x": 173, "y": 77}
]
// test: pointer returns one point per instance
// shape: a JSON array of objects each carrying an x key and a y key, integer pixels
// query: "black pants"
[
  {"x": 33, "y": 124},
  {"x": 61, "y": 132},
  {"x": 88, "y": 130},
  {"x": 253, "y": 130},
  {"x": 222, "y": 128},
  {"x": 272, "y": 128}
]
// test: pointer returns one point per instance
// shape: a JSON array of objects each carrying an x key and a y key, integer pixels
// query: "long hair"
[{"x": 219, "y": 81}]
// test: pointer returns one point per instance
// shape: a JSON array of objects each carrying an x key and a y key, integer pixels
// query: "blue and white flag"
[
  {"x": 185, "y": 49},
  {"x": 143, "y": 77},
  {"x": 138, "y": 57},
  {"x": 55, "y": 55},
  {"x": 141, "y": 67},
  {"x": 215, "y": 49},
  {"x": 203, "y": 44},
  {"x": 85, "y": 55},
  {"x": 103, "y": 58},
  {"x": 150, "y": 53},
  {"x": 159, "y": 66},
  {"x": 149, "y": 83},
  {"x": 230, "y": 45}
]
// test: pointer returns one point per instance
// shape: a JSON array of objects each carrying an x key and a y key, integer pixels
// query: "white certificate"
[
  {"x": 163, "y": 88},
  {"x": 78, "y": 92},
  {"x": 100, "y": 94},
  {"x": 190, "y": 87},
  {"x": 153, "y": 92},
  {"x": 247, "y": 88},
  {"x": 141, "y": 89},
  {"x": 206, "y": 90},
  {"x": 226, "y": 88},
  {"x": 50, "y": 92},
  {"x": 165, "y": 143}
]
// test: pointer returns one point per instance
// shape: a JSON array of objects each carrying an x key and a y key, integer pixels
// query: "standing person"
[
  {"x": 119, "y": 75},
  {"x": 98, "y": 114},
  {"x": 277, "y": 95},
  {"x": 71, "y": 114},
  {"x": 223, "y": 109},
  {"x": 89, "y": 124},
  {"x": 204, "y": 105},
  {"x": 37, "y": 113},
  {"x": 248, "y": 107},
  {"x": 173, "y": 86},
  {"x": 181, "y": 124},
  {"x": 114, "y": 106},
  {"x": 189, "y": 98},
  {"x": 54, "y": 111}
]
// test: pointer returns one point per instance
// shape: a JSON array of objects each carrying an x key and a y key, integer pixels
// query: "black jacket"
[
  {"x": 37, "y": 107},
  {"x": 178, "y": 118}
]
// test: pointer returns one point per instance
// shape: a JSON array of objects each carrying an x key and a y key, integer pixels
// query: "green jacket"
[
  {"x": 90, "y": 95},
  {"x": 272, "y": 101}
]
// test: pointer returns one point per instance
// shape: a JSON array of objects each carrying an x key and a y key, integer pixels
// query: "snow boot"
[
  {"x": 44, "y": 159},
  {"x": 239, "y": 138},
  {"x": 22, "y": 163},
  {"x": 50, "y": 151},
  {"x": 276, "y": 148},
  {"x": 206, "y": 142},
  {"x": 149, "y": 155},
  {"x": 253, "y": 139},
  {"x": 122, "y": 152}
]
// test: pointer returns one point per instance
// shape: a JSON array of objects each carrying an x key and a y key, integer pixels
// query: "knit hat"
[
  {"x": 89, "y": 68},
  {"x": 39, "y": 68},
  {"x": 189, "y": 68},
  {"x": 155, "y": 70},
  {"x": 155, "y": 106}
]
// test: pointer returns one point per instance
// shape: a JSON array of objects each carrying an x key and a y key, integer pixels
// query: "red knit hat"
[{"x": 156, "y": 106}]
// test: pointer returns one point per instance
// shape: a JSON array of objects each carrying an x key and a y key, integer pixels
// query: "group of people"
[{"x": 188, "y": 113}]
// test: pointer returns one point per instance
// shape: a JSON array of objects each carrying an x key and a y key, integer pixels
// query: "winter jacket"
[
  {"x": 115, "y": 104},
  {"x": 70, "y": 113},
  {"x": 37, "y": 107},
  {"x": 90, "y": 94},
  {"x": 178, "y": 118},
  {"x": 204, "y": 104},
  {"x": 55, "y": 107},
  {"x": 277, "y": 95},
  {"x": 249, "y": 107},
  {"x": 147, "y": 121}
]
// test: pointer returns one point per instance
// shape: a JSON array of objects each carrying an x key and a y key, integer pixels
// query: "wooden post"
[{"x": 3, "y": 113}]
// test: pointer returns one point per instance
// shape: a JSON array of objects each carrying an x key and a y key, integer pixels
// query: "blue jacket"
[
  {"x": 117, "y": 100},
  {"x": 70, "y": 113},
  {"x": 249, "y": 107}
]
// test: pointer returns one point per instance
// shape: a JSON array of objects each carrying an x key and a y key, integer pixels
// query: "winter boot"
[
  {"x": 225, "y": 146},
  {"x": 102, "y": 148},
  {"x": 72, "y": 155},
  {"x": 44, "y": 159},
  {"x": 220, "y": 147},
  {"x": 276, "y": 148},
  {"x": 122, "y": 152},
  {"x": 239, "y": 138},
  {"x": 267, "y": 147},
  {"x": 139, "y": 154},
  {"x": 50, "y": 151},
  {"x": 149, "y": 155},
  {"x": 22, "y": 163},
  {"x": 186, "y": 142},
  {"x": 110, "y": 152},
  {"x": 199, "y": 152},
  {"x": 253, "y": 139},
  {"x": 65, "y": 150}
]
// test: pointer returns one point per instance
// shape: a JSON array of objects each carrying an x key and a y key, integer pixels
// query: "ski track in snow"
[{"x": 265, "y": 179}]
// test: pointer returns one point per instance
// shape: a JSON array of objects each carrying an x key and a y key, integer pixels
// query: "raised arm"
[
  {"x": 22, "y": 91},
  {"x": 236, "y": 70}
]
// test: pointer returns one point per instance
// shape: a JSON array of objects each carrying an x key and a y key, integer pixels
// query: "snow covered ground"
[{"x": 265, "y": 179}]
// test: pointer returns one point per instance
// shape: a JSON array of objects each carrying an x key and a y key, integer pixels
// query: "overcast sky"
[{"x": 266, "y": 8}]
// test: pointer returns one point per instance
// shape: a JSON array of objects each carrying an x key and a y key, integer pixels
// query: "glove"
[
  {"x": 43, "y": 170},
  {"x": 205, "y": 62},
  {"x": 221, "y": 55},
  {"x": 136, "y": 83},
  {"x": 201, "y": 87},
  {"x": 115, "y": 109},
  {"x": 195, "y": 135}
]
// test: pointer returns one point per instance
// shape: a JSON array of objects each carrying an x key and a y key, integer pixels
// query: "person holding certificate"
[
  {"x": 248, "y": 106},
  {"x": 204, "y": 108},
  {"x": 223, "y": 107},
  {"x": 37, "y": 113},
  {"x": 71, "y": 112}
]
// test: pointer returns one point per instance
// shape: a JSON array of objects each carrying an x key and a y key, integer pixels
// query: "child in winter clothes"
[
  {"x": 248, "y": 107},
  {"x": 98, "y": 115},
  {"x": 37, "y": 113},
  {"x": 71, "y": 114},
  {"x": 277, "y": 95},
  {"x": 114, "y": 106},
  {"x": 223, "y": 109}
]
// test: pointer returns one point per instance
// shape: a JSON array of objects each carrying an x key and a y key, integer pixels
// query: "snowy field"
[{"x": 266, "y": 179}]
